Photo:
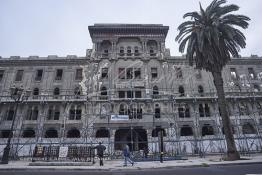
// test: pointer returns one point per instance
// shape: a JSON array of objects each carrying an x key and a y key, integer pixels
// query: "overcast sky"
[{"x": 60, "y": 27}]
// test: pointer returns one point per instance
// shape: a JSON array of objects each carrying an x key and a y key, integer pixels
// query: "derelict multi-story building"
[{"x": 125, "y": 90}]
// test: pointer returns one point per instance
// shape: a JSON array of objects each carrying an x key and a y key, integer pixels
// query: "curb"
[{"x": 39, "y": 168}]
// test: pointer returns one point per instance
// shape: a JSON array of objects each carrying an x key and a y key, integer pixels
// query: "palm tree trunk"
[{"x": 232, "y": 153}]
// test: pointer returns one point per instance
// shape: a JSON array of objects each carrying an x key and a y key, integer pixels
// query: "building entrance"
[{"x": 135, "y": 138}]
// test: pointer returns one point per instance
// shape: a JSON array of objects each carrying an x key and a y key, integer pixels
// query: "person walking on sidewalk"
[
  {"x": 126, "y": 153},
  {"x": 100, "y": 152}
]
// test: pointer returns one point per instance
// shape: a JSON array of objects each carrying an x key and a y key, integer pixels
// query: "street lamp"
[{"x": 18, "y": 94}]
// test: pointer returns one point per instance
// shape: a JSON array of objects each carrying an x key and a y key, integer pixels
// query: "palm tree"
[{"x": 211, "y": 38}]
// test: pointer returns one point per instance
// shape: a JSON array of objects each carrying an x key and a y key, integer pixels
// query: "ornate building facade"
[{"x": 127, "y": 90}]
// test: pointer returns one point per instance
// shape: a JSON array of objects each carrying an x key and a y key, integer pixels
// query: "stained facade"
[{"x": 125, "y": 90}]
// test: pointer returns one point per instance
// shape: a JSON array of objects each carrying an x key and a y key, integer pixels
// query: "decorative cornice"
[{"x": 128, "y": 29}]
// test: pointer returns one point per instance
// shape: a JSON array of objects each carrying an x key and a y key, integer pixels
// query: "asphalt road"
[{"x": 212, "y": 170}]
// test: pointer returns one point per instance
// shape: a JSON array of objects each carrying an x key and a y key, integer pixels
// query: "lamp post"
[{"x": 18, "y": 94}]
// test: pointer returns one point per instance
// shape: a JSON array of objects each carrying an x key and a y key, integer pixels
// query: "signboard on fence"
[
  {"x": 119, "y": 117},
  {"x": 63, "y": 150}
]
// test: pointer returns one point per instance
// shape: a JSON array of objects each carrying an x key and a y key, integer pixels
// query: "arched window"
[
  {"x": 152, "y": 47},
  {"x": 151, "y": 51},
  {"x": 123, "y": 109},
  {"x": 248, "y": 128},
  {"x": 136, "y": 51},
  {"x": 157, "y": 111},
  {"x": 129, "y": 51},
  {"x": 181, "y": 91},
  {"x": 201, "y": 90},
  {"x": 73, "y": 133},
  {"x": 155, "y": 90},
  {"x": 207, "y": 130},
  {"x": 102, "y": 133},
  {"x": 105, "y": 47},
  {"x": 56, "y": 91},
  {"x": 135, "y": 111},
  {"x": 28, "y": 133},
  {"x": 186, "y": 131},
  {"x": 51, "y": 133},
  {"x": 35, "y": 92},
  {"x": 122, "y": 51},
  {"x": 157, "y": 130}
]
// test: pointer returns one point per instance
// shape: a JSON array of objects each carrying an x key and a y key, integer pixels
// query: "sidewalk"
[{"x": 118, "y": 164}]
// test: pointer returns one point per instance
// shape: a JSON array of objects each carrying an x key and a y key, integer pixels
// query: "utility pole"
[{"x": 161, "y": 145}]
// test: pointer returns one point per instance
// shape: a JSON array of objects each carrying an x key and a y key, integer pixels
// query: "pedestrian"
[
  {"x": 126, "y": 153},
  {"x": 145, "y": 150},
  {"x": 100, "y": 152}
]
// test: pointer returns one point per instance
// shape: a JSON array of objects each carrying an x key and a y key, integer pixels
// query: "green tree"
[{"x": 211, "y": 37}]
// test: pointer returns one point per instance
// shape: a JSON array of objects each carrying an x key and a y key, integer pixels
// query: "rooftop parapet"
[
  {"x": 128, "y": 29},
  {"x": 71, "y": 56},
  {"x": 14, "y": 57},
  {"x": 52, "y": 57},
  {"x": 32, "y": 57}
]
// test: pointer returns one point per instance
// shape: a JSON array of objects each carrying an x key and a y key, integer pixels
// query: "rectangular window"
[
  {"x": 154, "y": 72},
  {"x": 56, "y": 115},
  {"x": 59, "y": 74},
  {"x": 1, "y": 75},
  {"x": 79, "y": 74},
  {"x": 201, "y": 110},
  {"x": 137, "y": 73},
  {"x": 105, "y": 53},
  {"x": 181, "y": 113},
  {"x": 251, "y": 73},
  {"x": 53, "y": 113},
  {"x": 138, "y": 94},
  {"x": 75, "y": 113},
  {"x": 104, "y": 73},
  {"x": 71, "y": 114},
  {"x": 129, "y": 73},
  {"x": 179, "y": 73},
  {"x": 19, "y": 75},
  {"x": 129, "y": 94},
  {"x": 78, "y": 114},
  {"x": 50, "y": 114},
  {"x": 10, "y": 114},
  {"x": 32, "y": 113},
  {"x": 207, "y": 110},
  {"x": 233, "y": 73},
  {"x": 39, "y": 74},
  {"x": 121, "y": 73},
  {"x": 157, "y": 112},
  {"x": 121, "y": 94}
]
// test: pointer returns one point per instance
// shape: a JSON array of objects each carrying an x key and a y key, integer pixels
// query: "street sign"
[
  {"x": 119, "y": 117},
  {"x": 63, "y": 150}
]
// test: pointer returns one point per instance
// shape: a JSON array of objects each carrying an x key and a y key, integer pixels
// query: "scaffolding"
[{"x": 140, "y": 131}]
